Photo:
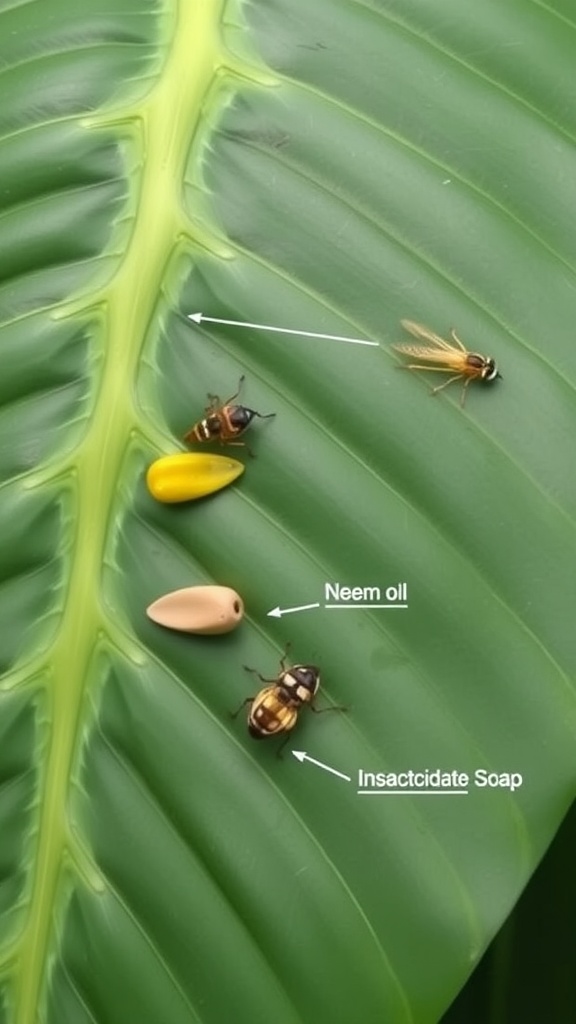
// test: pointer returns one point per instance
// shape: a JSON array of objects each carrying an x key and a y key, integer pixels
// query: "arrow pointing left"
[
  {"x": 199, "y": 318},
  {"x": 278, "y": 612},
  {"x": 302, "y": 756}
]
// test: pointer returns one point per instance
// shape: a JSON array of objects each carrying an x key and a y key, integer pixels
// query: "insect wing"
[
  {"x": 449, "y": 358},
  {"x": 425, "y": 334}
]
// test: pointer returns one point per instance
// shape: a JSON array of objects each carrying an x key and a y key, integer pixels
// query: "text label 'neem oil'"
[{"x": 336, "y": 595}]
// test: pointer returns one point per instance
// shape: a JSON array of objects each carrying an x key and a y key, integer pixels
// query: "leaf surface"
[{"x": 333, "y": 168}]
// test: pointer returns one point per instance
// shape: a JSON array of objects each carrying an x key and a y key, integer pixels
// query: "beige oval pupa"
[{"x": 207, "y": 610}]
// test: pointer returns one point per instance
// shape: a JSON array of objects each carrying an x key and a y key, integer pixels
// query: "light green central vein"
[{"x": 161, "y": 127}]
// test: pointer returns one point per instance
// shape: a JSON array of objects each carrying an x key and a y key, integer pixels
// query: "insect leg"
[
  {"x": 237, "y": 444},
  {"x": 215, "y": 403},
  {"x": 457, "y": 340},
  {"x": 458, "y": 376},
  {"x": 256, "y": 673},
  {"x": 238, "y": 390},
  {"x": 282, "y": 745},
  {"x": 234, "y": 714},
  {"x": 284, "y": 657},
  {"x": 333, "y": 707},
  {"x": 463, "y": 395}
]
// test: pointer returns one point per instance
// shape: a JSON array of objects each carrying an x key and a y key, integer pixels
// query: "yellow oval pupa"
[{"x": 190, "y": 475}]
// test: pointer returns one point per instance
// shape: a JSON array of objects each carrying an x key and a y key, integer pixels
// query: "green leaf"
[
  {"x": 331, "y": 168},
  {"x": 522, "y": 977}
]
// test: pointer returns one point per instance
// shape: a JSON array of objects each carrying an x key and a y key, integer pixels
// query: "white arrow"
[
  {"x": 278, "y": 612},
  {"x": 199, "y": 318},
  {"x": 301, "y": 755}
]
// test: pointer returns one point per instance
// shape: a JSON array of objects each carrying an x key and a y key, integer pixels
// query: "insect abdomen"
[{"x": 269, "y": 716}]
